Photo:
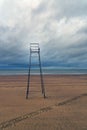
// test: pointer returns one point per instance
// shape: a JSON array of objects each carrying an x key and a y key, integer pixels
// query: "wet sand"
[{"x": 65, "y": 106}]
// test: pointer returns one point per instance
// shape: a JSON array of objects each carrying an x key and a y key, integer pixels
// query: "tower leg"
[
  {"x": 28, "y": 83},
  {"x": 41, "y": 75}
]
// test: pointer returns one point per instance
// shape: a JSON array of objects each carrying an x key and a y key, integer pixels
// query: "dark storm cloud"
[{"x": 12, "y": 49}]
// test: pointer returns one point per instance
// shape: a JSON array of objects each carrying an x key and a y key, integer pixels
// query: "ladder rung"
[
  {"x": 34, "y": 44},
  {"x": 34, "y": 51}
]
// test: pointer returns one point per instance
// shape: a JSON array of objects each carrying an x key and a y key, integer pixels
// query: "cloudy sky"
[{"x": 60, "y": 26}]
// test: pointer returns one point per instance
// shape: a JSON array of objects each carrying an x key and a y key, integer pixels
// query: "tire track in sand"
[{"x": 14, "y": 121}]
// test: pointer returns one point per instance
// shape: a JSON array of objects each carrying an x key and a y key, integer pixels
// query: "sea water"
[{"x": 45, "y": 71}]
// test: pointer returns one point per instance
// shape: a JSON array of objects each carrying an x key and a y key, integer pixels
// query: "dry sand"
[{"x": 65, "y": 107}]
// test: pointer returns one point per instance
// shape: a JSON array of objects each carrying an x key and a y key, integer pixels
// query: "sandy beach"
[{"x": 65, "y": 106}]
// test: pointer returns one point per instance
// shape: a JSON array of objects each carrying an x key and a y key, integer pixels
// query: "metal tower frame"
[{"x": 35, "y": 50}]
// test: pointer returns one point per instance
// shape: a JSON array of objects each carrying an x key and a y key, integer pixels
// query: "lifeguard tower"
[{"x": 35, "y": 52}]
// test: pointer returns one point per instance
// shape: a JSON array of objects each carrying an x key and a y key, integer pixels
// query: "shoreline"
[{"x": 6, "y": 75}]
